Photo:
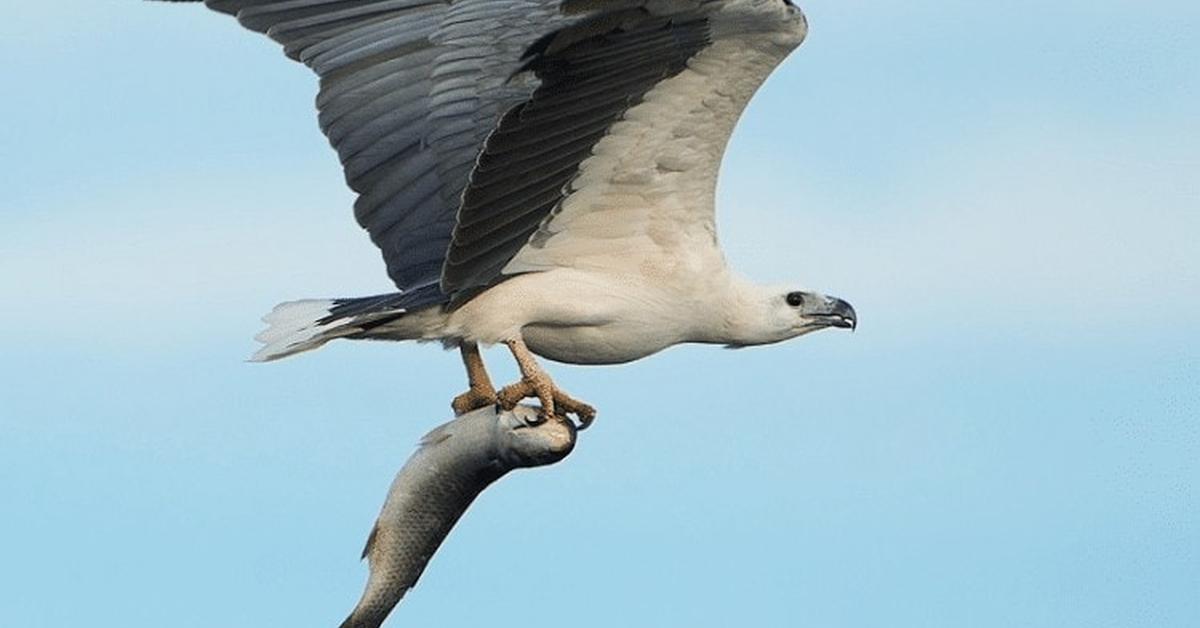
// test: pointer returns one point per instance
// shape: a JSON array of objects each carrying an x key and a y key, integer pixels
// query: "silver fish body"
[{"x": 453, "y": 465}]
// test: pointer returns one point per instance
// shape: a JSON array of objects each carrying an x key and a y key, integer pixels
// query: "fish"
[{"x": 453, "y": 464}]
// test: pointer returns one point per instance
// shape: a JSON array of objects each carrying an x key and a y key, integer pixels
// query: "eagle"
[{"x": 539, "y": 174}]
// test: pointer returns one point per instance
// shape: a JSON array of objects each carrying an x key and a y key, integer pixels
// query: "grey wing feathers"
[{"x": 409, "y": 91}]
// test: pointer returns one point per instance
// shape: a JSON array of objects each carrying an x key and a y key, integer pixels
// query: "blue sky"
[{"x": 1007, "y": 192}]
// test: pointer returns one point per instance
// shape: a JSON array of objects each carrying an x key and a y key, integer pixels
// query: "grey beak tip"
[{"x": 847, "y": 313}]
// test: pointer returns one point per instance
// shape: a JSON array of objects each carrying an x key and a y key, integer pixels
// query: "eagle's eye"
[{"x": 795, "y": 299}]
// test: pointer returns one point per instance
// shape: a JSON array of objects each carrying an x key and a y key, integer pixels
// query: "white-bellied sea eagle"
[{"x": 539, "y": 173}]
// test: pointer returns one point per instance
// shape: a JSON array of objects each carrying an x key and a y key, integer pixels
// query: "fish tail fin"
[
  {"x": 368, "y": 614},
  {"x": 354, "y": 621}
]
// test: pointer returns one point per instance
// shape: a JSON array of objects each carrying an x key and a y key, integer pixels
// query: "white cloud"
[
  {"x": 128, "y": 259},
  {"x": 1022, "y": 221}
]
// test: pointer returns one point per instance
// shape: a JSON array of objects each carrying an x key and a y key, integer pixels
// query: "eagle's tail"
[
  {"x": 296, "y": 326},
  {"x": 299, "y": 326}
]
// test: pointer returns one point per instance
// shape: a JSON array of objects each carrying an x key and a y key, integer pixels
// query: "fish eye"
[{"x": 795, "y": 299}]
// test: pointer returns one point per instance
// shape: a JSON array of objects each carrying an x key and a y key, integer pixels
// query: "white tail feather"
[
  {"x": 294, "y": 327},
  {"x": 299, "y": 326}
]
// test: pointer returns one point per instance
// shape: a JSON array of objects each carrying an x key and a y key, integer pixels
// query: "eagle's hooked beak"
[{"x": 834, "y": 312}]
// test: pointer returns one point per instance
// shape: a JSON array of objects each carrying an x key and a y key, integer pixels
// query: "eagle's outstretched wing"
[{"x": 463, "y": 124}]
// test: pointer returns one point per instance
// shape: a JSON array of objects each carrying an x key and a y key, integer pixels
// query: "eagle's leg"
[
  {"x": 537, "y": 383},
  {"x": 482, "y": 394}
]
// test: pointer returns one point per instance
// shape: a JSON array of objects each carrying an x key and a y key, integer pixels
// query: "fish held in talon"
[{"x": 453, "y": 465}]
